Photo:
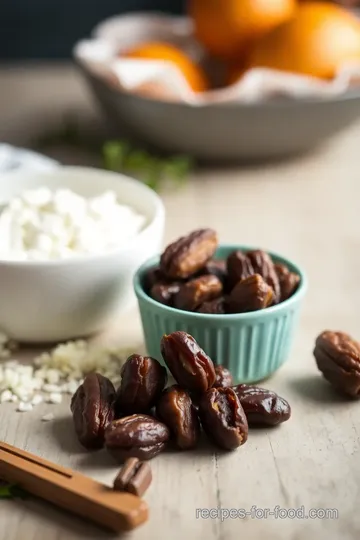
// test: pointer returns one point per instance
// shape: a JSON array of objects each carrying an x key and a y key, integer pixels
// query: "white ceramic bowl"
[{"x": 58, "y": 300}]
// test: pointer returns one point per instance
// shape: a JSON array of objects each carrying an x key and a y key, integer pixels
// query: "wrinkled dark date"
[
  {"x": 250, "y": 294},
  {"x": 223, "y": 418},
  {"x": 261, "y": 406},
  {"x": 137, "y": 435},
  {"x": 164, "y": 292},
  {"x": 263, "y": 265},
  {"x": 135, "y": 477},
  {"x": 239, "y": 267},
  {"x": 223, "y": 377},
  {"x": 338, "y": 358},
  {"x": 188, "y": 254},
  {"x": 188, "y": 363},
  {"x": 216, "y": 267},
  {"x": 142, "y": 382},
  {"x": 214, "y": 307},
  {"x": 152, "y": 277},
  {"x": 92, "y": 407},
  {"x": 289, "y": 281},
  {"x": 197, "y": 291},
  {"x": 176, "y": 410}
]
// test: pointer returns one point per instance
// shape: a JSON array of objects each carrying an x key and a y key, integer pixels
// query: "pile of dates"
[
  {"x": 189, "y": 279},
  {"x": 142, "y": 416}
]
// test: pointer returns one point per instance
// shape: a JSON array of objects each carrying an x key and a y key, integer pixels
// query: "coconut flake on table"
[{"x": 58, "y": 372}]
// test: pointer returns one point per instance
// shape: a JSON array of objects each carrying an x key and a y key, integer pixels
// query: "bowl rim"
[
  {"x": 159, "y": 215},
  {"x": 294, "y": 299}
]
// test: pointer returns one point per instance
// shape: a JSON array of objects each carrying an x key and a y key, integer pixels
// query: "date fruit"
[
  {"x": 263, "y": 265},
  {"x": 92, "y": 407},
  {"x": 214, "y": 307},
  {"x": 188, "y": 254},
  {"x": 216, "y": 267},
  {"x": 176, "y": 410},
  {"x": 152, "y": 277},
  {"x": 197, "y": 291},
  {"x": 164, "y": 292},
  {"x": 134, "y": 477},
  {"x": 239, "y": 267},
  {"x": 143, "y": 379},
  {"x": 250, "y": 294},
  {"x": 137, "y": 435},
  {"x": 223, "y": 418},
  {"x": 289, "y": 281},
  {"x": 189, "y": 364},
  {"x": 261, "y": 406},
  {"x": 223, "y": 377},
  {"x": 338, "y": 358}
]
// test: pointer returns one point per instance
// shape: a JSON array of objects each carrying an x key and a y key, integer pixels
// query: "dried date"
[
  {"x": 216, "y": 267},
  {"x": 142, "y": 381},
  {"x": 223, "y": 377},
  {"x": 214, "y": 307},
  {"x": 164, "y": 292},
  {"x": 263, "y": 265},
  {"x": 250, "y": 294},
  {"x": 197, "y": 291},
  {"x": 261, "y": 406},
  {"x": 135, "y": 477},
  {"x": 137, "y": 435},
  {"x": 338, "y": 358},
  {"x": 289, "y": 281},
  {"x": 189, "y": 364},
  {"x": 188, "y": 254},
  {"x": 223, "y": 418},
  {"x": 239, "y": 267},
  {"x": 92, "y": 407},
  {"x": 176, "y": 410},
  {"x": 152, "y": 277}
]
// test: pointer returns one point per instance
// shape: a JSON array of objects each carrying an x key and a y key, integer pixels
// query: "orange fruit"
[
  {"x": 193, "y": 73},
  {"x": 227, "y": 28},
  {"x": 317, "y": 41}
]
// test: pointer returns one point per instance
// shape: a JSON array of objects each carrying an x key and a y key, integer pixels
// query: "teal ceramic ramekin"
[{"x": 251, "y": 345}]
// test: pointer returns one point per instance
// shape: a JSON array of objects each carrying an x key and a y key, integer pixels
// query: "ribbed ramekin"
[{"x": 251, "y": 345}]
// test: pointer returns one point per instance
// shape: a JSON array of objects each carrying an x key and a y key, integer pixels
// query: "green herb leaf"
[{"x": 12, "y": 491}]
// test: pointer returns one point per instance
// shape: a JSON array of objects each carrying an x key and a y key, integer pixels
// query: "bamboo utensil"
[{"x": 72, "y": 491}]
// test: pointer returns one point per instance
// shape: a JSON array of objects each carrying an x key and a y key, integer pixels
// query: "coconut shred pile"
[
  {"x": 41, "y": 224},
  {"x": 55, "y": 373}
]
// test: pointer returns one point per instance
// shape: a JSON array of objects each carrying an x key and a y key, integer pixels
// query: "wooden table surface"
[{"x": 307, "y": 209}]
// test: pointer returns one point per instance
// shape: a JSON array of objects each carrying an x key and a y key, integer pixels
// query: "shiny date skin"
[
  {"x": 223, "y": 377},
  {"x": 92, "y": 407},
  {"x": 164, "y": 293},
  {"x": 263, "y": 265},
  {"x": 261, "y": 406},
  {"x": 176, "y": 410},
  {"x": 250, "y": 294},
  {"x": 138, "y": 435},
  {"x": 185, "y": 257},
  {"x": 223, "y": 418},
  {"x": 289, "y": 281},
  {"x": 337, "y": 356},
  {"x": 142, "y": 381},
  {"x": 216, "y": 267},
  {"x": 190, "y": 366},
  {"x": 239, "y": 267},
  {"x": 214, "y": 307},
  {"x": 197, "y": 291},
  {"x": 134, "y": 477}
]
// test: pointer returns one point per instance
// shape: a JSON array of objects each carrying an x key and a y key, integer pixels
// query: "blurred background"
[{"x": 49, "y": 29}]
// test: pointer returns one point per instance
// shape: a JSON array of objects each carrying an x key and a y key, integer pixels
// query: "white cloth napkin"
[{"x": 12, "y": 158}]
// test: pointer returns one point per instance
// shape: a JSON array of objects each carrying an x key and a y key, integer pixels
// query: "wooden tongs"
[{"x": 116, "y": 511}]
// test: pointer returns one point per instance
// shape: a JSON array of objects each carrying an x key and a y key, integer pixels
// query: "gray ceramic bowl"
[{"x": 275, "y": 129}]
